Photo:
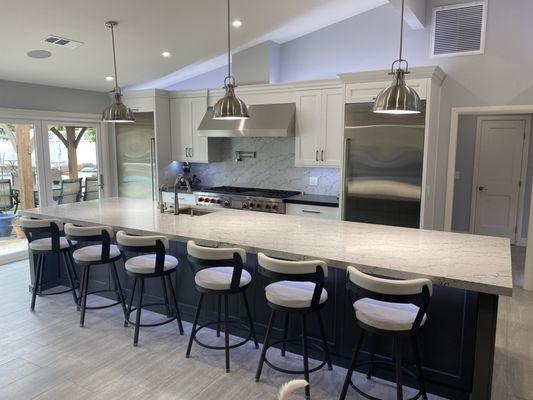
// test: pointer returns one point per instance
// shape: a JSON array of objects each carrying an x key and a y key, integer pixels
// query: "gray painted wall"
[
  {"x": 51, "y": 98},
  {"x": 462, "y": 197},
  {"x": 273, "y": 168}
]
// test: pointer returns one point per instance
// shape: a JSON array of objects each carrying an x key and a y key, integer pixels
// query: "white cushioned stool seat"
[
  {"x": 94, "y": 253},
  {"x": 293, "y": 294},
  {"x": 145, "y": 264},
  {"x": 45, "y": 244},
  {"x": 386, "y": 316},
  {"x": 219, "y": 278}
]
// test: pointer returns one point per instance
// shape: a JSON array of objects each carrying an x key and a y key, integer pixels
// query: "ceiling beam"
[{"x": 415, "y": 12}]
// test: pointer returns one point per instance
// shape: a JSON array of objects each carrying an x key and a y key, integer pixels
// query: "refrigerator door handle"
[
  {"x": 316, "y": 156},
  {"x": 322, "y": 155},
  {"x": 345, "y": 183},
  {"x": 152, "y": 164}
]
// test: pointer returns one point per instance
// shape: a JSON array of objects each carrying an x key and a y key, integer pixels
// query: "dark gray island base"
[{"x": 458, "y": 339}]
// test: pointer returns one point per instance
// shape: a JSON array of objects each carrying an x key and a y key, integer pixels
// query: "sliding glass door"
[
  {"x": 73, "y": 173},
  {"x": 19, "y": 181}
]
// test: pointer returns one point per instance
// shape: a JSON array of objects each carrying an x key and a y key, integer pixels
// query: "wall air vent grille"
[
  {"x": 459, "y": 29},
  {"x": 62, "y": 42}
]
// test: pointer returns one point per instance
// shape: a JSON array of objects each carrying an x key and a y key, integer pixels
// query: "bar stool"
[
  {"x": 392, "y": 308},
  {"x": 299, "y": 289},
  {"x": 157, "y": 265},
  {"x": 92, "y": 255},
  {"x": 34, "y": 229},
  {"x": 221, "y": 273}
]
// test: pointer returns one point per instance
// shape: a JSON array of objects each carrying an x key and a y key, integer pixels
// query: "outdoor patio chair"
[
  {"x": 70, "y": 191},
  {"x": 8, "y": 197},
  {"x": 92, "y": 188}
]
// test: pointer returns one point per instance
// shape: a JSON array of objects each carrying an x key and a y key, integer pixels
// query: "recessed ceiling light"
[
  {"x": 166, "y": 54},
  {"x": 109, "y": 78},
  {"x": 39, "y": 54},
  {"x": 237, "y": 23}
]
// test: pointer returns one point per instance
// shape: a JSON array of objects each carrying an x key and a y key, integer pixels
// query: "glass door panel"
[
  {"x": 74, "y": 168},
  {"x": 136, "y": 157},
  {"x": 19, "y": 186}
]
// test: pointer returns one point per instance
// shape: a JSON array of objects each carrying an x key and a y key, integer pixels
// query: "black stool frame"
[
  {"x": 235, "y": 288},
  {"x": 65, "y": 254},
  {"x": 104, "y": 239},
  {"x": 422, "y": 301},
  {"x": 159, "y": 272},
  {"x": 317, "y": 278}
]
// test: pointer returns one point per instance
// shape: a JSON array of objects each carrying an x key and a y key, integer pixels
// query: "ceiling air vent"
[
  {"x": 62, "y": 42},
  {"x": 459, "y": 29}
]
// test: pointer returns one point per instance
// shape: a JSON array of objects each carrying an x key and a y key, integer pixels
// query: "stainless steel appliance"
[
  {"x": 252, "y": 199},
  {"x": 266, "y": 120},
  {"x": 382, "y": 166}
]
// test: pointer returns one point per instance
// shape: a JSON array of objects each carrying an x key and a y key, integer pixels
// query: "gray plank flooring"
[{"x": 46, "y": 355}]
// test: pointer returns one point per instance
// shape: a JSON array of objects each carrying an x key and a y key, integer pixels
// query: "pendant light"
[
  {"x": 398, "y": 98},
  {"x": 230, "y": 106},
  {"x": 118, "y": 111}
]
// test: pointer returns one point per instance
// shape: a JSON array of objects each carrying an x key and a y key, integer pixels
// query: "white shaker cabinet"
[
  {"x": 319, "y": 127},
  {"x": 186, "y": 113},
  {"x": 313, "y": 211}
]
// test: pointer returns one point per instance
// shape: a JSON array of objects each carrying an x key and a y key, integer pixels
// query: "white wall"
[{"x": 51, "y": 98}]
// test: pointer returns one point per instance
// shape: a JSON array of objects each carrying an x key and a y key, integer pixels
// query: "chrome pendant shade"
[
  {"x": 230, "y": 106},
  {"x": 398, "y": 98},
  {"x": 118, "y": 111}
]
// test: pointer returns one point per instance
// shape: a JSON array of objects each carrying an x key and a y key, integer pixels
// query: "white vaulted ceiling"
[{"x": 193, "y": 30}]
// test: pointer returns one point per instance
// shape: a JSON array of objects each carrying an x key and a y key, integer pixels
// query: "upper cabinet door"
[
  {"x": 199, "y": 149},
  {"x": 180, "y": 128},
  {"x": 332, "y": 127},
  {"x": 308, "y": 127},
  {"x": 366, "y": 92}
]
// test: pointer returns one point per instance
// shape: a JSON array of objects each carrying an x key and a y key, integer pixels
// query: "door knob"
[{"x": 481, "y": 188}]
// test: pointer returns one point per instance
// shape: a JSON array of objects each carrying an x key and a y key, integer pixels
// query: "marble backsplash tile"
[{"x": 273, "y": 167}]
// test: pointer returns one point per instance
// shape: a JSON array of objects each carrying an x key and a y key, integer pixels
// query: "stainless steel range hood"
[{"x": 266, "y": 120}]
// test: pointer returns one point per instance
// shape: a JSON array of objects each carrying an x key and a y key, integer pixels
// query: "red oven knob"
[
  {"x": 258, "y": 205},
  {"x": 244, "y": 205},
  {"x": 200, "y": 199},
  {"x": 226, "y": 204},
  {"x": 219, "y": 201},
  {"x": 274, "y": 207},
  {"x": 213, "y": 201},
  {"x": 267, "y": 206}
]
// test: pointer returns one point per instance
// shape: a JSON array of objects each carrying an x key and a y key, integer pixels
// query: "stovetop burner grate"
[{"x": 254, "y": 192}]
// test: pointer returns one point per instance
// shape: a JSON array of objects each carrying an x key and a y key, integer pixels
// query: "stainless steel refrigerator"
[{"x": 382, "y": 166}]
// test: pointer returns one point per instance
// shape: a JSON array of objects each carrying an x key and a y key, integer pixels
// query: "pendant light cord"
[
  {"x": 401, "y": 30},
  {"x": 111, "y": 26},
  {"x": 229, "y": 42}
]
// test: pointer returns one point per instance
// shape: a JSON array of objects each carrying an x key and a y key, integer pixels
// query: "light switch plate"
[{"x": 313, "y": 181}]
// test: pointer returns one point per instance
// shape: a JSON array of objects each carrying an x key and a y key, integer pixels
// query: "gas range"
[{"x": 252, "y": 199}]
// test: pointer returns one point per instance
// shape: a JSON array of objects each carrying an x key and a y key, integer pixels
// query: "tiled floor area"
[{"x": 46, "y": 355}]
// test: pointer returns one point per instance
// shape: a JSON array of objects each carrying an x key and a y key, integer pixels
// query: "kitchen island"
[{"x": 470, "y": 273}]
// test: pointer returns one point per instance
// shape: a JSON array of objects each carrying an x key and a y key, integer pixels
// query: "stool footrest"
[
  {"x": 207, "y": 346},
  {"x": 164, "y": 322},
  {"x": 370, "y": 397},
  {"x": 54, "y": 293},
  {"x": 292, "y": 371},
  {"x": 104, "y": 306}
]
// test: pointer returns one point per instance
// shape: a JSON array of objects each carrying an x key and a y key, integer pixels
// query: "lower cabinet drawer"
[{"x": 312, "y": 211}]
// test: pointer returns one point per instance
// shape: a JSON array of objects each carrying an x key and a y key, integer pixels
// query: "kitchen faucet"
[
  {"x": 179, "y": 180},
  {"x": 161, "y": 203}
]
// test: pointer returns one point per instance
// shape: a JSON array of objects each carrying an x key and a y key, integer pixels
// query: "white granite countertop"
[{"x": 478, "y": 263}]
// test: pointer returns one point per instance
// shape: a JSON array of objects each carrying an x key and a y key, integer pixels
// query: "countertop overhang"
[{"x": 472, "y": 262}]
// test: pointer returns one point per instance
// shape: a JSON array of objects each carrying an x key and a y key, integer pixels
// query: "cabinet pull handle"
[
  {"x": 190, "y": 151},
  {"x": 322, "y": 155},
  {"x": 316, "y": 156},
  {"x": 311, "y": 211}
]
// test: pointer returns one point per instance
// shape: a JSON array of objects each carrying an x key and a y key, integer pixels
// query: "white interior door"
[{"x": 498, "y": 169}]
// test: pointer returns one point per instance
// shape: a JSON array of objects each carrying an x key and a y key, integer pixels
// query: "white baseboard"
[{"x": 14, "y": 256}]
